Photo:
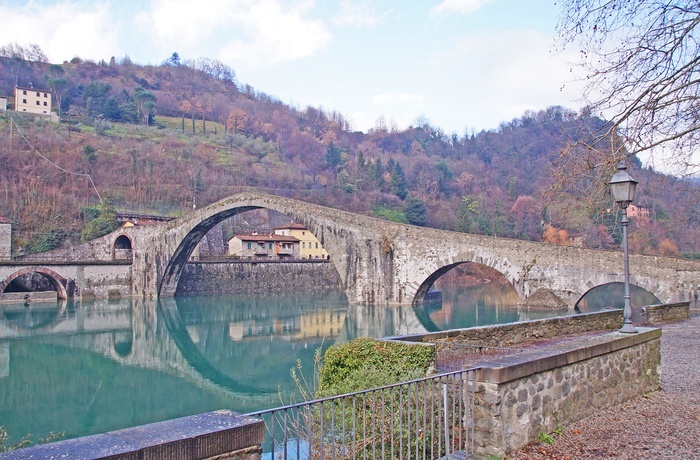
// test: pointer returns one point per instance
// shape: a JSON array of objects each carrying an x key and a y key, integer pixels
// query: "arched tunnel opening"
[{"x": 612, "y": 296}]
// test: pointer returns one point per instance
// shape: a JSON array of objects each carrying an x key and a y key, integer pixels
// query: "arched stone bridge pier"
[{"x": 381, "y": 262}]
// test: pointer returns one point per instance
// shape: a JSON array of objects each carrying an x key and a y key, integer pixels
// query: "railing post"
[{"x": 446, "y": 415}]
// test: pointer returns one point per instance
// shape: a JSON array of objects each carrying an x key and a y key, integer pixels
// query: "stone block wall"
[
  {"x": 28, "y": 297},
  {"x": 514, "y": 405},
  {"x": 505, "y": 335},
  {"x": 5, "y": 241},
  {"x": 243, "y": 277},
  {"x": 659, "y": 314},
  {"x": 103, "y": 281}
]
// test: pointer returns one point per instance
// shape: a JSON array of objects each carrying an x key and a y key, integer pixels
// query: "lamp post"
[{"x": 622, "y": 187}]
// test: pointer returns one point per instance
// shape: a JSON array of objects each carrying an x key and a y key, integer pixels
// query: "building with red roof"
[{"x": 264, "y": 246}]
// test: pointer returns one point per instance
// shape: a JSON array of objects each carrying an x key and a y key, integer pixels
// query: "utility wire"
[{"x": 54, "y": 164}]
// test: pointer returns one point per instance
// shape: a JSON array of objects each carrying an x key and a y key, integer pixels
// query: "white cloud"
[
  {"x": 505, "y": 73},
  {"x": 357, "y": 14},
  {"x": 394, "y": 98},
  {"x": 256, "y": 32},
  {"x": 458, "y": 6},
  {"x": 62, "y": 30}
]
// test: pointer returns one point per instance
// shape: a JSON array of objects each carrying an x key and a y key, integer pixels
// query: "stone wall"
[
  {"x": 505, "y": 335},
  {"x": 28, "y": 297},
  {"x": 574, "y": 366},
  {"x": 659, "y": 314},
  {"x": 242, "y": 277},
  {"x": 5, "y": 241},
  {"x": 515, "y": 404},
  {"x": 222, "y": 435}
]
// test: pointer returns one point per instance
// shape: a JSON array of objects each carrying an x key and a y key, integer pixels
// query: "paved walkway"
[{"x": 661, "y": 425}]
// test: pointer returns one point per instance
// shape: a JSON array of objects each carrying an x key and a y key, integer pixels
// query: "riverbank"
[{"x": 660, "y": 425}]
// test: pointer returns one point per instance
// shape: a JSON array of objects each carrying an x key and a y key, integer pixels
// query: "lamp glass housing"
[{"x": 622, "y": 187}]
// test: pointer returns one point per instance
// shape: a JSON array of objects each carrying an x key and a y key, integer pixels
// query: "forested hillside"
[{"x": 160, "y": 139}]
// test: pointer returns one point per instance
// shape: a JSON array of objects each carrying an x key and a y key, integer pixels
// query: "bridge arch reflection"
[{"x": 37, "y": 317}]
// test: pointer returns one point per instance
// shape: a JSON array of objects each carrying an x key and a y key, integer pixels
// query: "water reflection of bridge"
[
  {"x": 173, "y": 354},
  {"x": 210, "y": 348}
]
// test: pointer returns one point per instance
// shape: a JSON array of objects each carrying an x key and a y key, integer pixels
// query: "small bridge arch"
[
  {"x": 59, "y": 283},
  {"x": 430, "y": 280}
]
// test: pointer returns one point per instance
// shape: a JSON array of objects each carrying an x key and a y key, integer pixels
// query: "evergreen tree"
[
  {"x": 416, "y": 212},
  {"x": 399, "y": 183},
  {"x": 333, "y": 157}
]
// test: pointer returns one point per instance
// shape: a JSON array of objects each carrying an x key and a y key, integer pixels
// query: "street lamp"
[{"x": 622, "y": 187}]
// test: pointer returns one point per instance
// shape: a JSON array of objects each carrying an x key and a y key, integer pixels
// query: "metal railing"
[{"x": 427, "y": 418}]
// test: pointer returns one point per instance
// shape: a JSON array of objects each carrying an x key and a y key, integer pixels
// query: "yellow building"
[
  {"x": 32, "y": 100},
  {"x": 310, "y": 247}
]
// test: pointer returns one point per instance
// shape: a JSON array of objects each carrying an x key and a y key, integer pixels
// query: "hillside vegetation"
[{"x": 160, "y": 139}]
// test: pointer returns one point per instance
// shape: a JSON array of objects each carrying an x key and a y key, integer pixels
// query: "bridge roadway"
[{"x": 379, "y": 262}]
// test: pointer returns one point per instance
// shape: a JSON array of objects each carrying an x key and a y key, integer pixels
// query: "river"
[{"x": 86, "y": 368}]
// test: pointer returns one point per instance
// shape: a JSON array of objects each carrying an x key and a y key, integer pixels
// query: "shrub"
[{"x": 367, "y": 363}]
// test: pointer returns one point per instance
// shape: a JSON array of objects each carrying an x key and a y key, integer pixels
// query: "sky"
[{"x": 462, "y": 65}]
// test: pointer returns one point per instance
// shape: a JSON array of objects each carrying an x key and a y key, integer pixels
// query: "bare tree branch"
[{"x": 642, "y": 64}]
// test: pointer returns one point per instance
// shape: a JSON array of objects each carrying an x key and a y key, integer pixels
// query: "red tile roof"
[
  {"x": 267, "y": 238},
  {"x": 291, "y": 226}
]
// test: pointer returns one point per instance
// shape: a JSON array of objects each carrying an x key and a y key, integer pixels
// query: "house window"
[
  {"x": 46, "y": 95},
  {"x": 24, "y": 92},
  {"x": 38, "y": 103},
  {"x": 269, "y": 245},
  {"x": 250, "y": 245},
  {"x": 303, "y": 233},
  {"x": 316, "y": 245},
  {"x": 303, "y": 245},
  {"x": 45, "y": 104},
  {"x": 24, "y": 101}
]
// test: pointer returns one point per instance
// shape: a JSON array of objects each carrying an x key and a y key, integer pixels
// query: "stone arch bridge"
[{"x": 379, "y": 262}]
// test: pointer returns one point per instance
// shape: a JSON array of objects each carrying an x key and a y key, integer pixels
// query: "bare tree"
[{"x": 642, "y": 65}]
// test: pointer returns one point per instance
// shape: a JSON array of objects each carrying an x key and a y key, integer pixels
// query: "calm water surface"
[{"x": 86, "y": 368}]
